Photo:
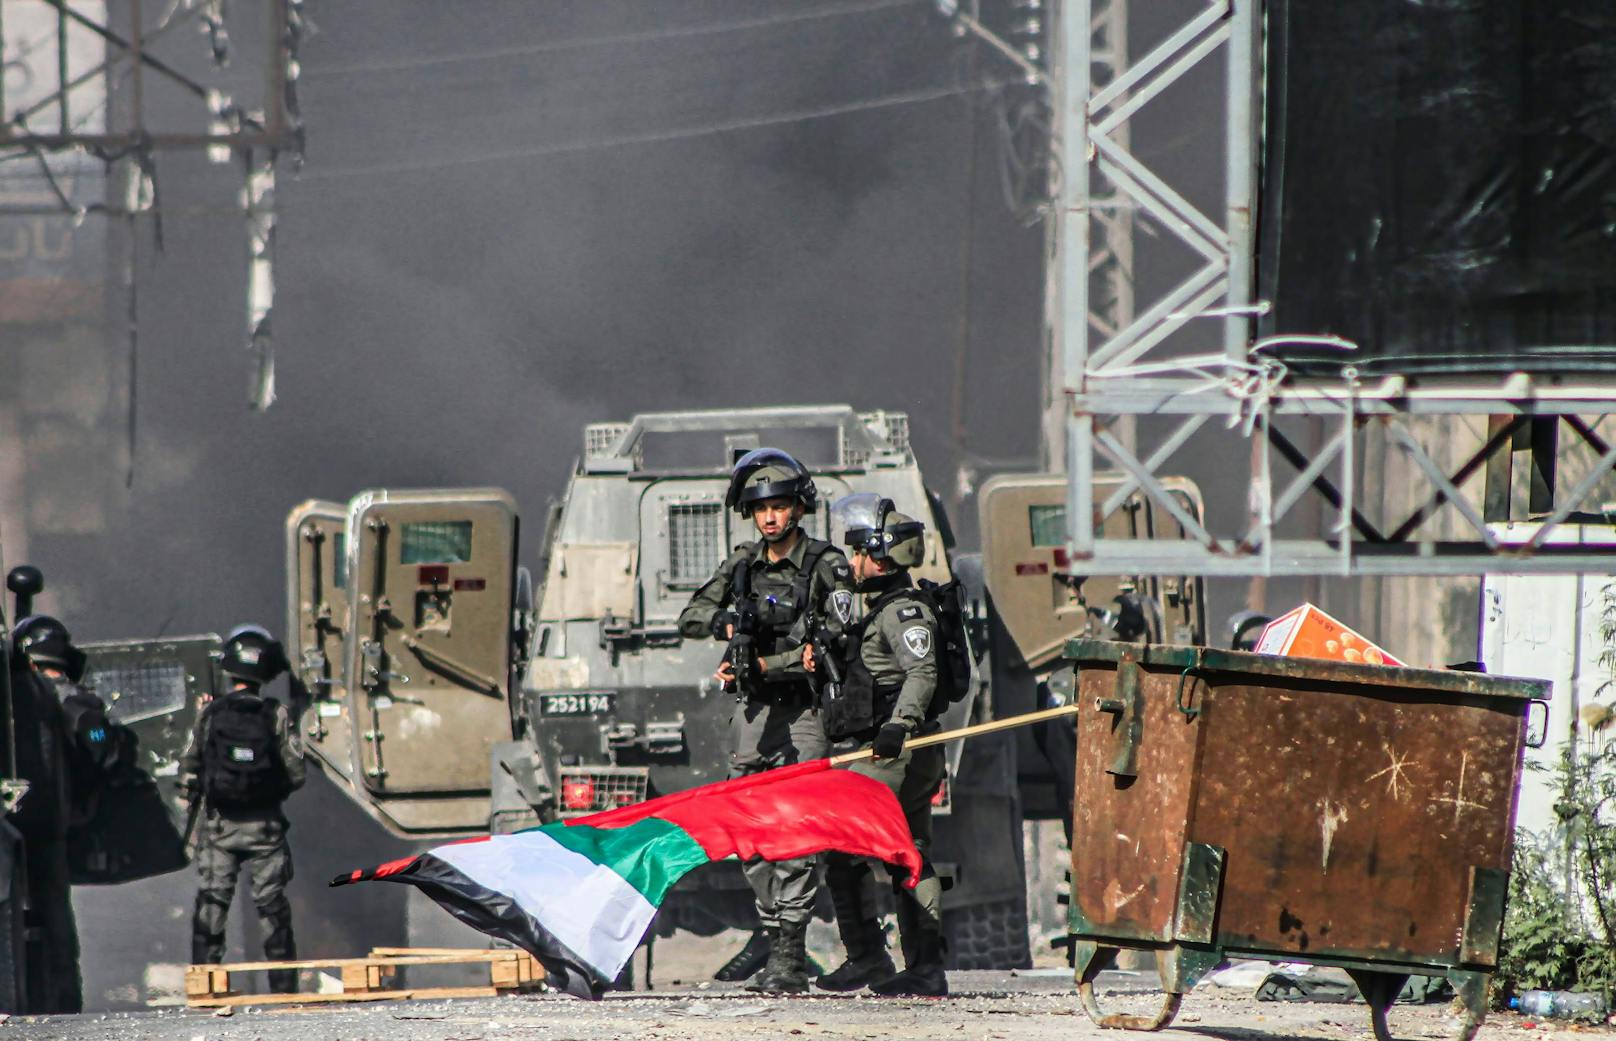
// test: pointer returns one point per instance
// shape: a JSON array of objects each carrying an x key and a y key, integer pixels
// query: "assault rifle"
[{"x": 741, "y": 654}]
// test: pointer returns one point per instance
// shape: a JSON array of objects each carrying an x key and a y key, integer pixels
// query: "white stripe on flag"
[{"x": 585, "y": 905}]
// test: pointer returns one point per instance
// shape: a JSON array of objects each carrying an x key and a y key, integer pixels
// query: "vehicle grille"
[{"x": 591, "y": 789}]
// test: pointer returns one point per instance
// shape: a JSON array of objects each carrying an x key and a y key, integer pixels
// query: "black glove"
[
  {"x": 720, "y": 624},
  {"x": 889, "y": 741}
]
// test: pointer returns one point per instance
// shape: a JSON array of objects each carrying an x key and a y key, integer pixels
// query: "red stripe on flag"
[
  {"x": 392, "y": 867},
  {"x": 800, "y": 815},
  {"x": 623, "y": 816}
]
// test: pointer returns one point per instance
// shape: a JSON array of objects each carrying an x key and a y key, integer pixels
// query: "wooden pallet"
[{"x": 369, "y": 978}]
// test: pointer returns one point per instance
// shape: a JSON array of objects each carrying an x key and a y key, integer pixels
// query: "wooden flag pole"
[{"x": 1008, "y": 723}]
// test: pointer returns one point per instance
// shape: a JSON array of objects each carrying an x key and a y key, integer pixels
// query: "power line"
[
  {"x": 742, "y": 25},
  {"x": 916, "y": 97}
]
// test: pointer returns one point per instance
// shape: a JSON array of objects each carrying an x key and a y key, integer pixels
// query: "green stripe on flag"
[{"x": 650, "y": 854}]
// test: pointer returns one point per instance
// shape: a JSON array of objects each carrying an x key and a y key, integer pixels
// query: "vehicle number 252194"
[{"x": 583, "y": 703}]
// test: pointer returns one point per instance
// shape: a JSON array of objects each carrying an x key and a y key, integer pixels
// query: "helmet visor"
[
  {"x": 760, "y": 457},
  {"x": 855, "y": 520},
  {"x": 788, "y": 476}
]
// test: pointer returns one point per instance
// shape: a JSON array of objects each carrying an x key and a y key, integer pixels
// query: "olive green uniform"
[
  {"x": 899, "y": 647},
  {"x": 775, "y": 723},
  {"x": 256, "y": 838}
]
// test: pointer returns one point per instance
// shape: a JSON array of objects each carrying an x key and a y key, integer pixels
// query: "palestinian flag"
[{"x": 579, "y": 894}]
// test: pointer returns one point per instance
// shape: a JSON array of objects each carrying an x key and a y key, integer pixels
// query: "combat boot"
[
  {"x": 867, "y": 959},
  {"x": 866, "y": 943},
  {"x": 787, "y": 969},
  {"x": 924, "y": 976},
  {"x": 922, "y": 940},
  {"x": 748, "y": 961}
]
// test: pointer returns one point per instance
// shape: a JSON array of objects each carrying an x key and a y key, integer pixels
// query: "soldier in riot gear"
[
  {"x": 243, "y": 761},
  {"x": 94, "y": 744},
  {"x": 890, "y": 692},
  {"x": 45, "y": 754},
  {"x": 765, "y": 599}
]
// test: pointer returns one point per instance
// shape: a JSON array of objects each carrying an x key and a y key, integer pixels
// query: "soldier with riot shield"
[
  {"x": 894, "y": 679},
  {"x": 94, "y": 743},
  {"x": 243, "y": 761},
  {"x": 765, "y": 600},
  {"x": 45, "y": 748}
]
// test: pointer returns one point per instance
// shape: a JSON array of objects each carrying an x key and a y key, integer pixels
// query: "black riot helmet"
[
  {"x": 768, "y": 473},
  {"x": 873, "y": 525},
  {"x": 251, "y": 654},
  {"x": 46, "y": 641}
]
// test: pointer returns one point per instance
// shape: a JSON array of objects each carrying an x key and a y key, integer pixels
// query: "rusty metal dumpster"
[{"x": 1233, "y": 805}]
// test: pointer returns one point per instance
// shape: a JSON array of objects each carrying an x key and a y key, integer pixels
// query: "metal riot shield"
[{"x": 133, "y": 820}]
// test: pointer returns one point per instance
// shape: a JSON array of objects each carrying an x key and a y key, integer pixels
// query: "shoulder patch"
[
  {"x": 908, "y": 613},
  {"x": 841, "y": 601},
  {"x": 917, "y": 638},
  {"x": 842, "y": 572}
]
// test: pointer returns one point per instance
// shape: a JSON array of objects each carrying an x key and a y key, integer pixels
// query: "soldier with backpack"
[
  {"x": 902, "y": 663},
  {"x": 243, "y": 761}
]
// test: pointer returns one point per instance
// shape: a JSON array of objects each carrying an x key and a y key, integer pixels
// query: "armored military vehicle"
[
  {"x": 1037, "y": 598},
  {"x": 451, "y": 694}
]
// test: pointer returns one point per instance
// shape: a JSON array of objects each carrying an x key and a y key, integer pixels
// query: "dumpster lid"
[{"x": 1211, "y": 659}]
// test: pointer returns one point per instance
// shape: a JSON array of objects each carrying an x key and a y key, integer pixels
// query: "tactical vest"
[
  {"x": 860, "y": 705},
  {"x": 782, "y": 613},
  {"x": 241, "y": 762}
]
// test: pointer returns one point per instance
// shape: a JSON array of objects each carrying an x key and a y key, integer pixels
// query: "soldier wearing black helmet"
[
  {"x": 94, "y": 742},
  {"x": 765, "y": 600},
  {"x": 50, "y": 746},
  {"x": 889, "y": 693},
  {"x": 243, "y": 761}
]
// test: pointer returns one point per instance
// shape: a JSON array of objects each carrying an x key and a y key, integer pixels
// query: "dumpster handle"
[
  {"x": 1543, "y": 734},
  {"x": 1189, "y": 711}
]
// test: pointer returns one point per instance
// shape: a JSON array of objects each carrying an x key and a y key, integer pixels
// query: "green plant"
[
  {"x": 1558, "y": 930},
  {"x": 1549, "y": 942}
]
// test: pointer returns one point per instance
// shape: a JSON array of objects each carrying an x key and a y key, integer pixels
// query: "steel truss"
[
  {"x": 256, "y": 138},
  {"x": 1116, "y": 375}
]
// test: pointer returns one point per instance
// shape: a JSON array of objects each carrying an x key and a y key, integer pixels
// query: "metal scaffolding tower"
[{"x": 1189, "y": 357}]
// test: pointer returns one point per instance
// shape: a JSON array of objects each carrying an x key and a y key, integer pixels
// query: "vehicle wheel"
[{"x": 991, "y": 935}]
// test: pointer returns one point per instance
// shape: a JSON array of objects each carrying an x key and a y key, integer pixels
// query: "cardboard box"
[{"x": 1307, "y": 632}]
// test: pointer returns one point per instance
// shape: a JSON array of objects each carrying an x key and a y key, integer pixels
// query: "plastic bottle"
[{"x": 1559, "y": 1004}]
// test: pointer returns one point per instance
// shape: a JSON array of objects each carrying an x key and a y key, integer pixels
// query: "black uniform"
[{"x": 42, "y": 817}]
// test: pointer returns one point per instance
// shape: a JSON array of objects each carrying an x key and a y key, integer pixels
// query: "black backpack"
[
  {"x": 241, "y": 763},
  {"x": 954, "y": 658}
]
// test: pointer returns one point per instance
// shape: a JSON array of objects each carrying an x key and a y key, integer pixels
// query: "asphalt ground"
[{"x": 1040, "y": 1005}]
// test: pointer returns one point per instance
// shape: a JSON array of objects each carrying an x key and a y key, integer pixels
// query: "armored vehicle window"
[
  {"x": 1048, "y": 525},
  {"x": 436, "y": 542},
  {"x": 136, "y": 692},
  {"x": 695, "y": 542},
  {"x": 339, "y": 560}
]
